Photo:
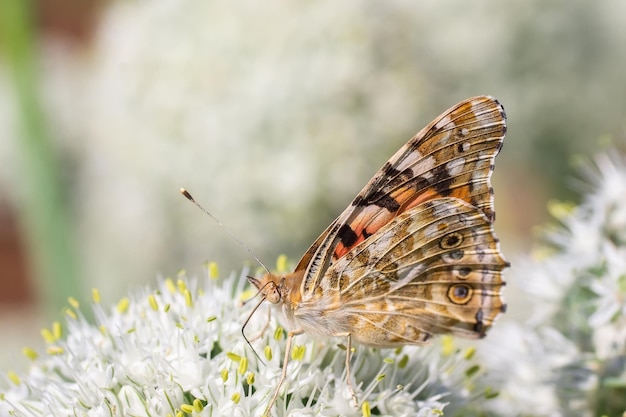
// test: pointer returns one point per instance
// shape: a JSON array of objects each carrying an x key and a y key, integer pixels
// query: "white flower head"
[{"x": 179, "y": 350}]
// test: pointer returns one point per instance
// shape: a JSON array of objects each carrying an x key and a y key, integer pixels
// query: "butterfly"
[{"x": 415, "y": 253}]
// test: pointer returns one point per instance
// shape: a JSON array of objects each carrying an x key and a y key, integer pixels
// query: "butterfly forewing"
[{"x": 451, "y": 157}]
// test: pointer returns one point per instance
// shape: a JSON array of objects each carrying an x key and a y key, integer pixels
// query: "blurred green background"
[{"x": 274, "y": 116}]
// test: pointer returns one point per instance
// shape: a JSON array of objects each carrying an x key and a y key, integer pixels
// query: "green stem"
[{"x": 43, "y": 207}]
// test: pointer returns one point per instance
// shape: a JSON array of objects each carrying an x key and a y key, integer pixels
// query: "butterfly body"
[{"x": 415, "y": 254}]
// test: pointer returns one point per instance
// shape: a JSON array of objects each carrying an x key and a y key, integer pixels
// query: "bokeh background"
[{"x": 273, "y": 115}]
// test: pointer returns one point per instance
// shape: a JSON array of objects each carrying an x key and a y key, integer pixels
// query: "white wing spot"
[
  {"x": 443, "y": 122},
  {"x": 455, "y": 166},
  {"x": 417, "y": 163},
  {"x": 466, "y": 146},
  {"x": 478, "y": 177}
]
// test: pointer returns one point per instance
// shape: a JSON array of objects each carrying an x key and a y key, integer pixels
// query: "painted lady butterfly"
[{"x": 415, "y": 254}]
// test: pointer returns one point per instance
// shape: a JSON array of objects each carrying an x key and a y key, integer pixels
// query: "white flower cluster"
[
  {"x": 178, "y": 350},
  {"x": 568, "y": 357}
]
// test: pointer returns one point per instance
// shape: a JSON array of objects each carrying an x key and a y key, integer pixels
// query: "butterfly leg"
[
  {"x": 348, "y": 372},
  {"x": 283, "y": 375}
]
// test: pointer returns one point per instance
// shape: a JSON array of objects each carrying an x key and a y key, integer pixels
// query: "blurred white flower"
[
  {"x": 569, "y": 351},
  {"x": 276, "y": 116},
  {"x": 524, "y": 364}
]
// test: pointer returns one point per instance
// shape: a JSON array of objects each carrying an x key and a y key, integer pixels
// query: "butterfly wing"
[
  {"x": 451, "y": 157},
  {"x": 434, "y": 269}
]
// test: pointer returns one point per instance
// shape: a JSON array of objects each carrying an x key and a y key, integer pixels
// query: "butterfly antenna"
[
  {"x": 243, "y": 245},
  {"x": 245, "y": 323}
]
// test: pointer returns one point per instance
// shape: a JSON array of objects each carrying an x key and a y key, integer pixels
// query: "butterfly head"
[
  {"x": 279, "y": 288},
  {"x": 270, "y": 287}
]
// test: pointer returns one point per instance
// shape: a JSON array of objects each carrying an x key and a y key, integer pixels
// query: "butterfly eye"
[
  {"x": 451, "y": 240},
  {"x": 460, "y": 293},
  {"x": 273, "y": 296}
]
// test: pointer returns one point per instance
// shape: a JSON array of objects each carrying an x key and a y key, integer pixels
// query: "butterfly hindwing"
[{"x": 434, "y": 269}]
